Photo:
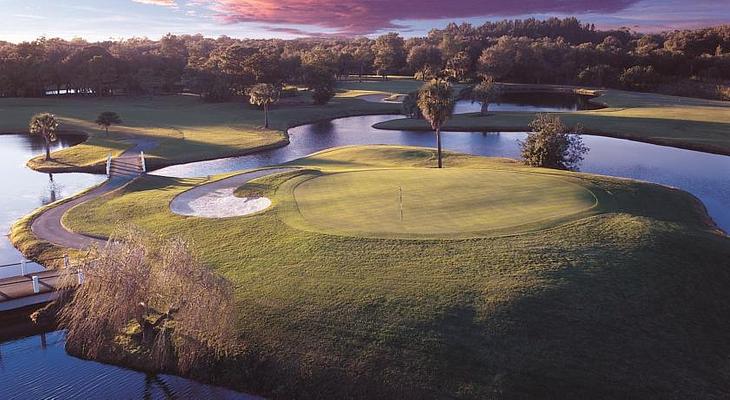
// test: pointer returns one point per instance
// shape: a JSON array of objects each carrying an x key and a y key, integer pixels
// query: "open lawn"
[
  {"x": 184, "y": 127},
  {"x": 668, "y": 120},
  {"x": 458, "y": 202},
  {"x": 628, "y": 302}
]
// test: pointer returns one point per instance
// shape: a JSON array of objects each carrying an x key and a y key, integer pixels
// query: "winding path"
[{"x": 48, "y": 226}]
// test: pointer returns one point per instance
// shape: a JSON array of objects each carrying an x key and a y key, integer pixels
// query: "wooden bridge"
[{"x": 32, "y": 288}]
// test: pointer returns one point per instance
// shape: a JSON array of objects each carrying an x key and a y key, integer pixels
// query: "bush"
[
  {"x": 176, "y": 313},
  {"x": 551, "y": 144},
  {"x": 598, "y": 75},
  {"x": 409, "y": 107},
  {"x": 322, "y": 94},
  {"x": 640, "y": 77}
]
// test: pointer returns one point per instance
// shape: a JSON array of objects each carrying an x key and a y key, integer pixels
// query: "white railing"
[
  {"x": 142, "y": 162},
  {"x": 109, "y": 165}
]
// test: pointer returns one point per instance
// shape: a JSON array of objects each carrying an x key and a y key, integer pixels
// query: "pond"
[
  {"x": 38, "y": 367},
  {"x": 532, "y": 102},
  {"x": 24, "y": 190},
  {"x": 705, "y": 175}
]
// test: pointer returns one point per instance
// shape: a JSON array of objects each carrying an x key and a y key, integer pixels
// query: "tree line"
[{"x": 557, "y": 51}]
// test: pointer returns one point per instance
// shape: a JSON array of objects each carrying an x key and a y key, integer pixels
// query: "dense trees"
[
  {"x": 530, "y": 51},
  {"x": 390, "y": 54}
]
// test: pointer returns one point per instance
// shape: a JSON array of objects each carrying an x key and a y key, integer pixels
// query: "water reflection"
[
  {"x": 532, "y": 102},
  {"x": 39, "y": 367},
  {"x": 707, "y": 176},
  {"x": 25, "y": 190}
]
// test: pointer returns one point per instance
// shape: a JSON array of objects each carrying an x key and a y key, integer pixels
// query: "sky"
[{"x": 117, "y": 19}]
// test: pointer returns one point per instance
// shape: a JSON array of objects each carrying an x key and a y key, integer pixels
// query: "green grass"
[
  {"x": 185, "y": 128},
  {"x": 628, "y": 303},
  {"x": 668, "y": 120},
  {"x": 391, "y": 86},
  {"x": 447, "y": 203}
]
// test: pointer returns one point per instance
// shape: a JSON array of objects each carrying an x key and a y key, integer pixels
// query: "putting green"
[{"x": 436, "y": 203}]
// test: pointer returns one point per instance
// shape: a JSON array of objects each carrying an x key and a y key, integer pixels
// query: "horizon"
[{"x": 291, "y": 19}]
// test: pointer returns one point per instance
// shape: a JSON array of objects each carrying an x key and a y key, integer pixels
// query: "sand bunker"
[
  {"x": 223, "y": 203},
  {"x": 217, "y": 199}
]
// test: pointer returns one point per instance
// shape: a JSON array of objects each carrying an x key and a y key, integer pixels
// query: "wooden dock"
[{"x": 33, "y": 288}]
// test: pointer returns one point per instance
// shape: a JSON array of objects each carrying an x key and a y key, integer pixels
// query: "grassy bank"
[
  {"x": 626, "y": 302},
  {"x": 184, "y": 128},
  {"x": 689, "y": 123}
]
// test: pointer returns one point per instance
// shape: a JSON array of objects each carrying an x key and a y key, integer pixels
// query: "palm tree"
[
  {"x": 108, "y": 118},
  {"x": 45, "y": 124},
  {"x": 263, "y": 94},
  {"x": 484, "y": 93},
  {"x": 436, "y": 101}
]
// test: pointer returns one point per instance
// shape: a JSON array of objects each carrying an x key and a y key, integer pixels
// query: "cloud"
[
  {"x": 356, "y": 17},
  {"x": 166, "y": 3}
]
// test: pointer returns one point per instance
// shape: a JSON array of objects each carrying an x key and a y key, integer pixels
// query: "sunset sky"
[{"x": 105, "y": 19}]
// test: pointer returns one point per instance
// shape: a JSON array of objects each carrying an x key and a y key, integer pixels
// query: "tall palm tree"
[
  {"x": 436, "y": 101},
  {"x": 45, "y": 124},
  {"x": 263, "y": 94}
]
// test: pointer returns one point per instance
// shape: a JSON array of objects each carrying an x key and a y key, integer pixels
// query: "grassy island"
[{"x": 551, "y": 284}]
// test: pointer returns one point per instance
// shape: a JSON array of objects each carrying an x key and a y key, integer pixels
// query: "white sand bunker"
[
  {"x": 223, "y": 203},
  {"x": 217, "y": 199}
]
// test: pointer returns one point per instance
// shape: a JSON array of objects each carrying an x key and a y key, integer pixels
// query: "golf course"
[
  {"x": 366, "y": 272},
  {"x": 683, "y": 122},
  {"x": 496, "y": 274},
  {"x": 183, "y": 127}
]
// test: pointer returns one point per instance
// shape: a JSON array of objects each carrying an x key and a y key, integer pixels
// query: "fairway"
[{"x": 437, "y": 203}]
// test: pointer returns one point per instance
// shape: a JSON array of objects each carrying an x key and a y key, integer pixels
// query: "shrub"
[
  {"x": 409, "y": 107},
  {"x": 640, "y": 77},
  {"x": 176, "y": 312},
  {"x": 322, "y": 94},
  {"x": 552, "y": 144}
]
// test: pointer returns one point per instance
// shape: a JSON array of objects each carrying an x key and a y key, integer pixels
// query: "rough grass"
[
  {"x": 630, "y": 303},
  {"x": 184, "y": 127},
  {"x": 668, "y": 120}
]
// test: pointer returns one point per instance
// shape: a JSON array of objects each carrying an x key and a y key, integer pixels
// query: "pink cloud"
[{"x": 354, "y": 17}]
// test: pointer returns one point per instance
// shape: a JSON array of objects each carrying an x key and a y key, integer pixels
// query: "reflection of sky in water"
[
  {"x": 38, "y": 367},
  {"x": 24, "y": 190},
  {"x": 707, "y": 176}
]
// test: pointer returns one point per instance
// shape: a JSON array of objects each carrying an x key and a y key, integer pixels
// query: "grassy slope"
[
  {"x": 630, "y": 303},
  {"x": 676, "y": 121},
  {"x": 186, "y": 128}
]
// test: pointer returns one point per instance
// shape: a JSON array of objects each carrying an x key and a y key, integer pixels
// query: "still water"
[
  {"x": 38, "y": 366},
  {"x": 24, "y": 190},
  {"x": 532, "y": 102},
  {"x": 705, "y": 175}
]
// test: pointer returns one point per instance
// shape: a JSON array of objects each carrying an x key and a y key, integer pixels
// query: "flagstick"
[{"x": 400, "y": 202}]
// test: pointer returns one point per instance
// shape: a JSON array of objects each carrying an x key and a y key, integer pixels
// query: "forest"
[{"x": 553, "y": 51}]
